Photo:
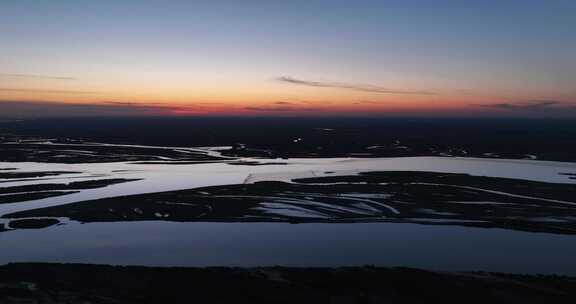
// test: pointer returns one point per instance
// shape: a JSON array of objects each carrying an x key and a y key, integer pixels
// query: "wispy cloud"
[
  {"x": 41, "y": 91},
  {"x": 122, "y": 103},
  {"x": 39, "y": 109},
  {"x": 281, "y": 109},
  {"x": 131, "y": 103},
  {"x": 532, "y": 106},
  {"x": 350, "y": 86},
  {"x": 368, "y": 102},
  {"x": 33, "y": 76}
]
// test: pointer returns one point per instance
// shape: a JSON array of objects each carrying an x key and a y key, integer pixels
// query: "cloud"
[
  {"x": 123, "y": 103},
  {"x": 368, "y": 102},
  {"x": 349, "y": 86},
  {"x": 130, "y": 103},
  {"x": 39, "y": 109},
  {"x": 284, "y": 103},
  {"x": 281, "y": 109},
  {"x": 32, "y": 76},
  {"x": 531, "y": 106},
  {"x": 40, "y": 91}
]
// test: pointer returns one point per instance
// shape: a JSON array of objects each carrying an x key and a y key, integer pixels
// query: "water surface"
[{"x": 258, "y": 244}]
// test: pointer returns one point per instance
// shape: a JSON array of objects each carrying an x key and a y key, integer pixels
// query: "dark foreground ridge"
[{"x": 76, "y": 283}]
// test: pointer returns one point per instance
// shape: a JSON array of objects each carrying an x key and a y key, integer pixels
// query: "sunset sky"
[{"x": 289, "y": 58}]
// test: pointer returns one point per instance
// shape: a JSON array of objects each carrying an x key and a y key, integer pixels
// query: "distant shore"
[{"x": 81, "y": 283}]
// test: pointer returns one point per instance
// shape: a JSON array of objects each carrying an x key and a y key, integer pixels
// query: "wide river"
[{"x": 252, "y": 244}]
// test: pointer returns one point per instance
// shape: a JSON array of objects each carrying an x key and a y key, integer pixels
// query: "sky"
[{"x": 467, "y": 58}]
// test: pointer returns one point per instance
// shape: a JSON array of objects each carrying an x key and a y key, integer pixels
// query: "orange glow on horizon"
[{"x": 260, "y": 98}]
